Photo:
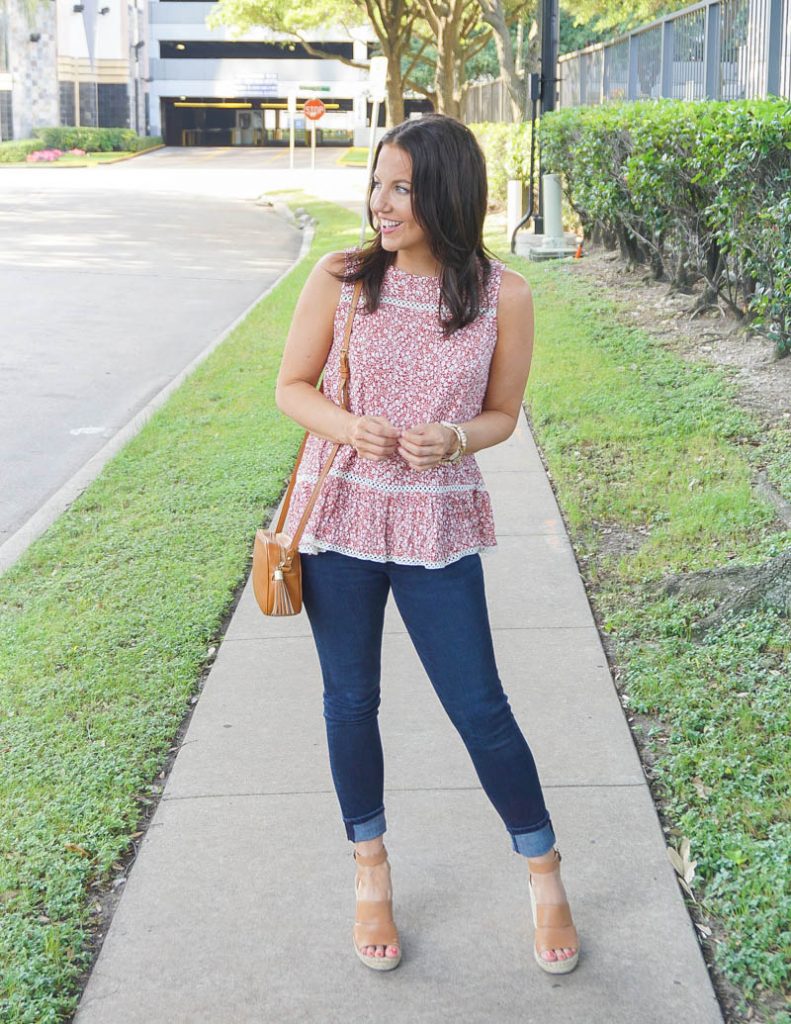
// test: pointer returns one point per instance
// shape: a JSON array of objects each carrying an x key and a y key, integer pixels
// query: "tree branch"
[
  {"x": 311, "y": 49},
  {"x": 416, "y": 59}
]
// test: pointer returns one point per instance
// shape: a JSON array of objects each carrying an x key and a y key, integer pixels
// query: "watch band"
[{"x": 462, "y": 448}]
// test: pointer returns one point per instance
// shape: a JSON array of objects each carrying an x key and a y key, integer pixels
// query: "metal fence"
[
  {"x": 716, "y": 50},
  {"x": 487, "y": 101}
]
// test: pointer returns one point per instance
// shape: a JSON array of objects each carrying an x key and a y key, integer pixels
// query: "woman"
[{"x": 439, "y": 356}]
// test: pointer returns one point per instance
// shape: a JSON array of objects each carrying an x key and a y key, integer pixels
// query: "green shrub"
[
  {"x": 507, "y": 151},
  {"x": 146, "y": 142},
  {"x": 696, "y": 190},
  {"x": 92, "y": 140},
  {"x": 16, "y": 151}
]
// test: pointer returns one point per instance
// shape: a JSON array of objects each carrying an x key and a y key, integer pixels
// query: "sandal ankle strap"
[
  {"x": 543, "y": 868},
  {"x": 373, "y": 860}
]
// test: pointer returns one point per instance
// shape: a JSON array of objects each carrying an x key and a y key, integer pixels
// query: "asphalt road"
[{"x": 112, "y": 280}]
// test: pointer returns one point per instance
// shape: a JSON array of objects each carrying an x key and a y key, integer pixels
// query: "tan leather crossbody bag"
[{"x": 277, "y": 572}]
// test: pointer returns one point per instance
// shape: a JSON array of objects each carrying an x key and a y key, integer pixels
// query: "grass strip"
[
  {"x": 107, "y": 621},
  {"x": 355, "y": 156},
  {"x": 105, "y": 625},
  {"x": 652, "y": 460}
]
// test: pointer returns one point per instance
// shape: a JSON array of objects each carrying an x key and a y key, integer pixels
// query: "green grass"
[
  {"x": 88, "y": 160},
  {"x": 105, "y": 625},
  {"x": 653, "y": 451},
  {"x": 356, "y": 156},
  {"x": 107, "y": 621}
]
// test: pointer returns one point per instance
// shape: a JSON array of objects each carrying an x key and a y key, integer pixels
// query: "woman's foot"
[
  {"x": 373, "y": 883},
  {"x": 548, "y": 889}
]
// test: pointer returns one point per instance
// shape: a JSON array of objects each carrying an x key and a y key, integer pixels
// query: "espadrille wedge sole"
[
  {"x": 553, "y": 924},
  {"x": 373, "y": 925}
]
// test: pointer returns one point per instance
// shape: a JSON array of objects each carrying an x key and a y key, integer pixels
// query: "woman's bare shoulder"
[
  {"x": 513, "y": 283},
  {"x": 333, "y": 262},
  {"x": 324, "y": 283},
  {"x": 515, "y": 292}
]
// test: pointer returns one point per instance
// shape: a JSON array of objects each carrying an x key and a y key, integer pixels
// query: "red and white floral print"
[{"x": 402, "y": 367}]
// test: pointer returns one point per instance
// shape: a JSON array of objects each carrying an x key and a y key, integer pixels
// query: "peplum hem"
[
  {"x": 401, "y": 527},
  {"x": 311, "y": 546}
]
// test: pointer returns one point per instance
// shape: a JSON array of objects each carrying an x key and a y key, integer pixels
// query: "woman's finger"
[
  {"x": 421, "y": 461},
  {"x": 371, "y": 438}
]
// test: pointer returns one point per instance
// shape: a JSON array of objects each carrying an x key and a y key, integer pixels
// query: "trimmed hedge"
[
  {"x": 93, "y": 140},
  {"x": 695, "y": 190},
  {"x": 507, "y": 151},
  {"x": 16, "y": 151},
  {"x": 146, "y": 142}
]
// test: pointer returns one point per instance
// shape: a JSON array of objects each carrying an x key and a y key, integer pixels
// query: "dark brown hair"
[{"x": 448, "y": 195}]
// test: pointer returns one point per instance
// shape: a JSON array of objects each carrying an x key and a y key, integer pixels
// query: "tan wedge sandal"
[
  {"x": 373, "y": 925},
  {"x": 553, "y": 924}
]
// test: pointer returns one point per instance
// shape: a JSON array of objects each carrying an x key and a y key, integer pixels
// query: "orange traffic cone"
[{"x": 578, "y": 253}]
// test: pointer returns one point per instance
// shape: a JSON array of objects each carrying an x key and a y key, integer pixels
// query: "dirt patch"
[
  {"x": 715, "y": 336},
  {"x": 614, "y": 540}
]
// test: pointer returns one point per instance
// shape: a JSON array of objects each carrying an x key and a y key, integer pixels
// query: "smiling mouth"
[{"x": 390, "y": 225}]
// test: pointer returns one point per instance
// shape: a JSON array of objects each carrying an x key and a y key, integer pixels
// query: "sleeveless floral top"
[{"x": 402, "y": 367}]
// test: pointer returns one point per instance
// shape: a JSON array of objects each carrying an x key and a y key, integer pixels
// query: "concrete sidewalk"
[{"x": 240, "y": 905}]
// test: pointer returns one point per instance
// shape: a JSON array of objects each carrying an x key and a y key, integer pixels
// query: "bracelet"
[{"x": 462, "y": 448}]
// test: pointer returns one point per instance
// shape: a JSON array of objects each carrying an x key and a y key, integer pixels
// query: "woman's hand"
[
  {"x": 374, "y": 437},
  {"x": 425, "y": 445}
]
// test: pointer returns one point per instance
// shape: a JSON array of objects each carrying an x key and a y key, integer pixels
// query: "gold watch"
[{"x": 462, "y": 448}]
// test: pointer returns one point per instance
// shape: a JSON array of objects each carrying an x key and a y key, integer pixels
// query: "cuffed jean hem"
[
  {"x": 533, "y": 844},
  {"x": 359, "y": 831}
]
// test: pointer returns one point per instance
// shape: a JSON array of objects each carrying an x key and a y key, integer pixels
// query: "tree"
[
  {"x": 496, "y": 13},
  {"x": 617, "y": 16},
  {"x": 393, "y": 22}
]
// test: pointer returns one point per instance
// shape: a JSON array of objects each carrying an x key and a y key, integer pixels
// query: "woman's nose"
[{"x": 378, "y": 203}]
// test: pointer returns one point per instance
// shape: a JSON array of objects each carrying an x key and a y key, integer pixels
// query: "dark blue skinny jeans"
[{"x": 445, "y": 613}]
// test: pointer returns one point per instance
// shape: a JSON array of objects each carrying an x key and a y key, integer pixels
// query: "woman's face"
[{"x": 391, "y": 203}]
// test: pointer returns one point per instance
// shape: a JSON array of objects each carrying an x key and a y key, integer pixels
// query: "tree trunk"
[
  {"x": 742, "y": 589},
  {"x": 392, "y": 22},
  {"x": 395, "y": 90},
  {"x": 533, "y": 55},
  {"x": 447, "y": 40},
  {"x": 494, "y": 15}
]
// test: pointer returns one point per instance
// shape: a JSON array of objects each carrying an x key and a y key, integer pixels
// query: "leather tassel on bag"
[
  {"x": 281, "y": 604},
  {"x": 277, "y": 571}
]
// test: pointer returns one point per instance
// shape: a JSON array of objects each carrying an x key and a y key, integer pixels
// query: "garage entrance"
[{"x": 250, "y": 122}]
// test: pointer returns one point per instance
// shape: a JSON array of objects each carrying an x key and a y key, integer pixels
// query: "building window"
[
  {"x": 88, "y": 104},
  {"x": 6, "y": 118},
  {"x": 3, "y": 42},
  {"x": 113, "y": 106},
  {"x": 67, "y": 103},
  {"x": 218, "y": 49}
]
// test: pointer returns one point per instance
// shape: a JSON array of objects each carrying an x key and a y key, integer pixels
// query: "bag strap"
[{"x": 343, "y": 398}]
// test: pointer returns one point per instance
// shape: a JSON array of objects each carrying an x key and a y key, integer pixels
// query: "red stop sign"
[{"x": 314, "y": 109}]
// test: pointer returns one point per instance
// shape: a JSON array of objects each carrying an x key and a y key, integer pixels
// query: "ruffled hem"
[
  {"x": 312, "y": 546},
  {"x": 412, "y": 528}
]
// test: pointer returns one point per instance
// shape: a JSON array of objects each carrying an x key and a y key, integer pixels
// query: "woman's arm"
[
  {"x": 425, "y": 444},
  {"x": 304, "y": 357}
]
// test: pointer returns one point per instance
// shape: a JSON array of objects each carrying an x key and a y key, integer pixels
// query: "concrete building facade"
[
  {"x": 72, "y": 63},
  {"x": 155, "y": 66},
  {"x": 207, "y": 89}
]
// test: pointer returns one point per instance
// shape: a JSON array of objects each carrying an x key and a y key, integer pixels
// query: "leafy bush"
[
  {"x": 16, "y": 151},
  {"x": 507, "y": 151},
  {"x": 146, "y": 142},
  {"x": 92, "y": 140},
  {"x": 696, "y": 190}
]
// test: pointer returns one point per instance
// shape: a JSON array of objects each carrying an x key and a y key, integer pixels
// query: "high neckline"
[{"x": 420, "y": 277}]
